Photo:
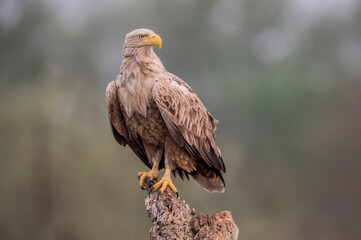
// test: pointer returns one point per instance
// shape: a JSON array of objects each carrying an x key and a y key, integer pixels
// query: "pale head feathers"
[
  {"x": 133, "y": 43},
  {"x": 132, "y": 39}
]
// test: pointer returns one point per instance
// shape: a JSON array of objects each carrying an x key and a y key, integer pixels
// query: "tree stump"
[{"x": 172, "y": 218}]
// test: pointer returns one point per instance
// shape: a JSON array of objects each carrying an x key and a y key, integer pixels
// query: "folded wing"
[
  {"x": 118, "y": 126},
  {"x": 188, "y": 121}
]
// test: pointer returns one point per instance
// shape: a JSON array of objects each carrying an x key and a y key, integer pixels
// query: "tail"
[{"x": 211, "y": 180}]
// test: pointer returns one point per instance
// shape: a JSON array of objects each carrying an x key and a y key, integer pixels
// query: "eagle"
[{"x": 161, "y": 119}]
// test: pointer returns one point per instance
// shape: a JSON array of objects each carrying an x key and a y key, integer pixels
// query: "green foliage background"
[{"x": 283, "y": 79}]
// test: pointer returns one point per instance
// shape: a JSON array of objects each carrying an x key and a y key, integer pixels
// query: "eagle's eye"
[{"x": 141, "y": 36}]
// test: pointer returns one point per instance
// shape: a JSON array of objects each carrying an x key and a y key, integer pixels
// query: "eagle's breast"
[
  {"x": 135, "y": 88},
  {"x": 142, "y": 115},
  {"x": 150, "y": 128}
]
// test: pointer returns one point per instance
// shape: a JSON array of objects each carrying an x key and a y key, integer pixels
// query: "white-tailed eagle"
[{"x": 161, "y": 118}]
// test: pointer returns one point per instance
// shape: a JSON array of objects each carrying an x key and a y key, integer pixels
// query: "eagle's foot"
[
  {"x": 152, "y": 174},
  {"x": 164, "y": 182}
]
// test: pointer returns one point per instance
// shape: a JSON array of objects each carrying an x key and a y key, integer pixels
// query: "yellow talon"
[
  {"x": 164, "y": 182},
  {"x": 152, "y": 174}
]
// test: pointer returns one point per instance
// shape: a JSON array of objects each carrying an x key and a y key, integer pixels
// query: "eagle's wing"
[
  {"x": 187, "y": 119},
  {"x": 117, "y": 124}
]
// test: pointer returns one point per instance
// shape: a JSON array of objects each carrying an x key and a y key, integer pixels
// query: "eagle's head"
[{"x": 141, "y": 38}]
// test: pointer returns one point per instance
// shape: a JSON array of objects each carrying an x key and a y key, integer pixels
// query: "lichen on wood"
[{"x": 172, "y": 218}]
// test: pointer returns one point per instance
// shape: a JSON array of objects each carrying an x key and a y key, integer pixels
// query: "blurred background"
[{"x": 283, "y": 77}]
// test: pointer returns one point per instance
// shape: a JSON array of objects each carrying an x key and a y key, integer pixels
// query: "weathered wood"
[{"x": 172, "y": 218}]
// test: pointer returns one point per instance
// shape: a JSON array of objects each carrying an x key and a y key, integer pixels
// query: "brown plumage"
[{"x": 161, "y": 118}]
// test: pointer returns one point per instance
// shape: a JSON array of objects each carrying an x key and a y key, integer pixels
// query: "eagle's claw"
[
  {"x": 142, "y": 176},
  {"x": 163, "y": 183}
]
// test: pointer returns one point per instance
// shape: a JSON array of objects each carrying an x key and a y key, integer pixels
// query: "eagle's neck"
[
  {"x": 145, "y": 57},
  {"x": 139, "y": 73}
]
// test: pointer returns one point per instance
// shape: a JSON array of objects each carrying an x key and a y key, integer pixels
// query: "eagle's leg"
[
  {"x": 169, "y": 163},
  {"x": 154, "y": 154},
  {"x": 164, "y": 182}
]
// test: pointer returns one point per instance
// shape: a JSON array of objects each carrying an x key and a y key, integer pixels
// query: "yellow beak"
[{"x": 153, "y": 39}]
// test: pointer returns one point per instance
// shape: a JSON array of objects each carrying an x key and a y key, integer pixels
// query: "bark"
[{"x": 172, "y": 218}]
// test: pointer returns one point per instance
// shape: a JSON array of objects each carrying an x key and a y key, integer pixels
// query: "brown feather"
[{"x": 196, "y": 128}]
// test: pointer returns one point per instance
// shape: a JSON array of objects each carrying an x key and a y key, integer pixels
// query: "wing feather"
[{"x": 187, "y": 119}]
